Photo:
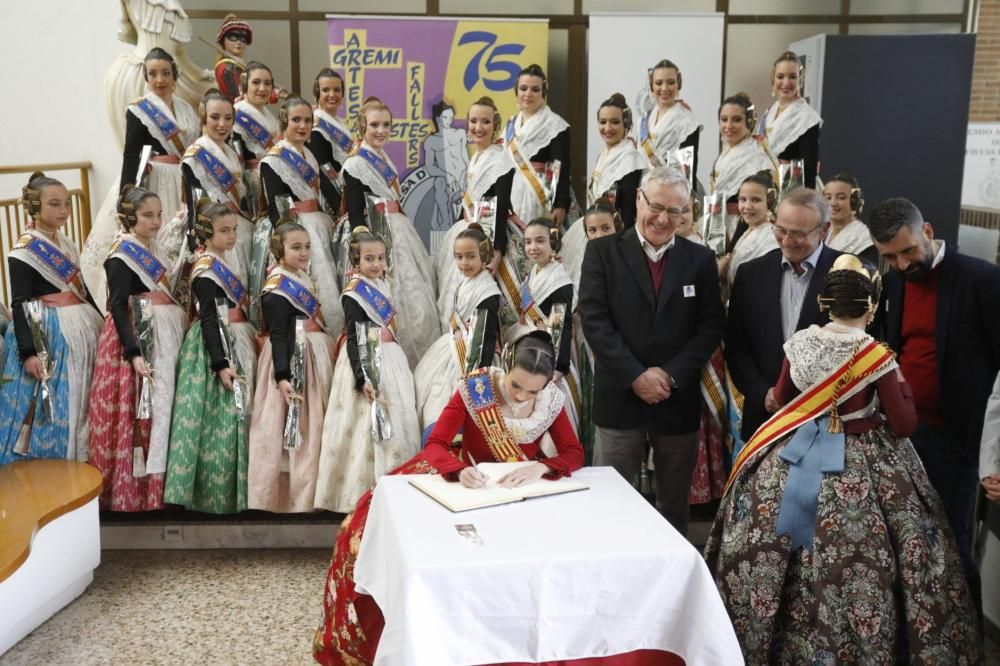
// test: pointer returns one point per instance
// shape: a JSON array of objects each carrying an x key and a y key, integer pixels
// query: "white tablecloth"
[{"x": 586, "y": 574}]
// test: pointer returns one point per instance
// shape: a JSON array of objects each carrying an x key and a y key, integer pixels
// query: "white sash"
[
  {"x": 782, "y": 130},
  {"x": 290, "y": 176},
  {"x": 613, "y": 164}
]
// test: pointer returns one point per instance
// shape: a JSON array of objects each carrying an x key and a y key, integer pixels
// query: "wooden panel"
[{"x": 33, "y": 493}]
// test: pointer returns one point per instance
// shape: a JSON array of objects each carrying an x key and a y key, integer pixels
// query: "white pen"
[{"x": 475, "y": 466}]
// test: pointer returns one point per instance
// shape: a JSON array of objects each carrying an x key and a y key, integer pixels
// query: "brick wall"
[{"x": 985, "y": 101}]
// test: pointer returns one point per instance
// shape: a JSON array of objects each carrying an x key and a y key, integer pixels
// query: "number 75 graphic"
[{"x": 494, "y": 63}]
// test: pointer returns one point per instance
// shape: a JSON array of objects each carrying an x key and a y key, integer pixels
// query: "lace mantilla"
[{"x": 548, "y": 404}]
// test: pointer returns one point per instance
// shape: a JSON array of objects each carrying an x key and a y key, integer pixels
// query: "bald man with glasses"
[
  {"x": 652, "y": 314},
  {"x": 773, "y": 297}
]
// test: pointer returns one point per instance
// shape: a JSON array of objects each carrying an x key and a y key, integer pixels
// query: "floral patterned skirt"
[
  {"x": 352, "y": 622},
  {"x": 883, "y": 583}
]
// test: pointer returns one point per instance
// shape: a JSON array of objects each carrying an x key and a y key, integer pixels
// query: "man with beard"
[{"x": 941, "y": 314}]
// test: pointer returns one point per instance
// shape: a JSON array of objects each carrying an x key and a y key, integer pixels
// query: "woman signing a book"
[{"x": 507, "y": 415}]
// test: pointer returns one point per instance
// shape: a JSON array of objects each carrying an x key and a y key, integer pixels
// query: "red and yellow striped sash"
[{"x": 815, "y": 401}]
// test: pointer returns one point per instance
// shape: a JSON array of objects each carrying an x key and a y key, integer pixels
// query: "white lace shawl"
[
  {"x": 612, "y": 165},
  {"x": 669, "y": 131},
  {"x": 228, "y": 157},
  {"x": 339, "y": 153},
  {"x": 797, "y": 118},
  {"x": 262, "y": 116},
  {"x": 753, "y": 243},
  {"x": 359, "y": 168},
  {"x": 484, "y": 169},
  {"x": 548, "y": 404},
  {"x": 290, "y": 176},
  {"x": 473, "y": 291},
  {"x": 853, "y": 238},
  {"x": 815, "y": 352},
  {"x": 537, "y": 131},
  {"x": 545, "y": 281},
  {"x": 736, "y": 163},
  {"x": 183, "y": 116}
]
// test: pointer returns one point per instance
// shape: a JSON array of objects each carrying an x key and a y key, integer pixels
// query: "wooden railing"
[{"x": 13, "y": 219}]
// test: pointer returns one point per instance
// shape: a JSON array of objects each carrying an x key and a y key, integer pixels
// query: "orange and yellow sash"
[
  {"x": 873, "y": 359},
  {"x": 522, "y": 164},
  {"x": 480, "y": 397}
]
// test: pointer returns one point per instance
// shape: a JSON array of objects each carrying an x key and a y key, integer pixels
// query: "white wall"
[{"x": 55, "y": 53}]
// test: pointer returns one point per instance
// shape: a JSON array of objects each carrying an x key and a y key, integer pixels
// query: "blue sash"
[
  {"x": 232, "y": 284},
  {"x": 381, "y": 167},
  {"x": 163, "y": 123},
  {"x": 254, "y": 129},
  {"x": 300, "y": 164},
  {"x": 294, "y": 291},
  {"x": 338, "y": 136},
  {"x": 220, "y": 172},
  {"x": 139, "y": 257},
  {"x": 376, "y": 301},
  {"x": 52, "y": 258},
  {"x": 510, "y": 131}
]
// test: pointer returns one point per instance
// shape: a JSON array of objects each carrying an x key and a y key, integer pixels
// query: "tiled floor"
[
  {"x": 187, "y": 607},
  {"x": 195, "y": 607}
]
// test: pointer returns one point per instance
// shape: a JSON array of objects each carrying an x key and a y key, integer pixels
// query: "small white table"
[{"x": 586, "y": 574}]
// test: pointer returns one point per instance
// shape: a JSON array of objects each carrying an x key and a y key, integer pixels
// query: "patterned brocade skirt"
[
  {"x": 883, "y": 583},
  {"x": 207, "y": 465},
  {"x": 115, "y": 433}
]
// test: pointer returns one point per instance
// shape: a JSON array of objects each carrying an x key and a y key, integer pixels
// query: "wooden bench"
[{"x": 49, "y": 541}]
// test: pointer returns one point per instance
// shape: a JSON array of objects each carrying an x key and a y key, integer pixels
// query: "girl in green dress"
[{"x": 207, "y": 466}]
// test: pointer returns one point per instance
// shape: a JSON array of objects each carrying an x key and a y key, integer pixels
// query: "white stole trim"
[
  {"x": 208, "y": 182},
  {"x": 612, "y": 165},
  {"x": 737, "y": 163},
  {"x": 183, "y": 116},
  {"x": 290, "y": 176},
  {"x": 473, "y": 291},
  {"x": 669, "y": 131},
  {"x": 782, "y": 130},
  {"x": 753, "y": 243},
  {"x": 854, "y": 238},
  {"x": 361, "y": 169},
  {"x": 339, "y": 153},
  {"x": 265, "y": 118},
  {"x": 542, "y": 283},
  {"x": 484, "y": 170}
]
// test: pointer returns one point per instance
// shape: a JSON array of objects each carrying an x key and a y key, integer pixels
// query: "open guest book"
[{"x": 455, "y": 497}]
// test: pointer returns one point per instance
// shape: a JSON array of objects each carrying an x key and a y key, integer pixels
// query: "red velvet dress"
[{"x": 352, "y": 623}]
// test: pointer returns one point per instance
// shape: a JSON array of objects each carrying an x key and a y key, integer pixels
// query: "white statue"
[{"x": 147, "y": 24}]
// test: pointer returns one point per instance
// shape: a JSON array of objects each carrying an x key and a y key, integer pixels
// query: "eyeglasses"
[
  {"x": 794, "y": 234},
  {"x": 672, "y": 213}
]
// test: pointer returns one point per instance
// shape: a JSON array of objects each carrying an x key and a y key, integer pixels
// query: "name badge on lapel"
[{"x": 689, "y": 291}]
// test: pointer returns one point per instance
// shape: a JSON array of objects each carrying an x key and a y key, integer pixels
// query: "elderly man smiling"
[{"x": 651, "y": 311}]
